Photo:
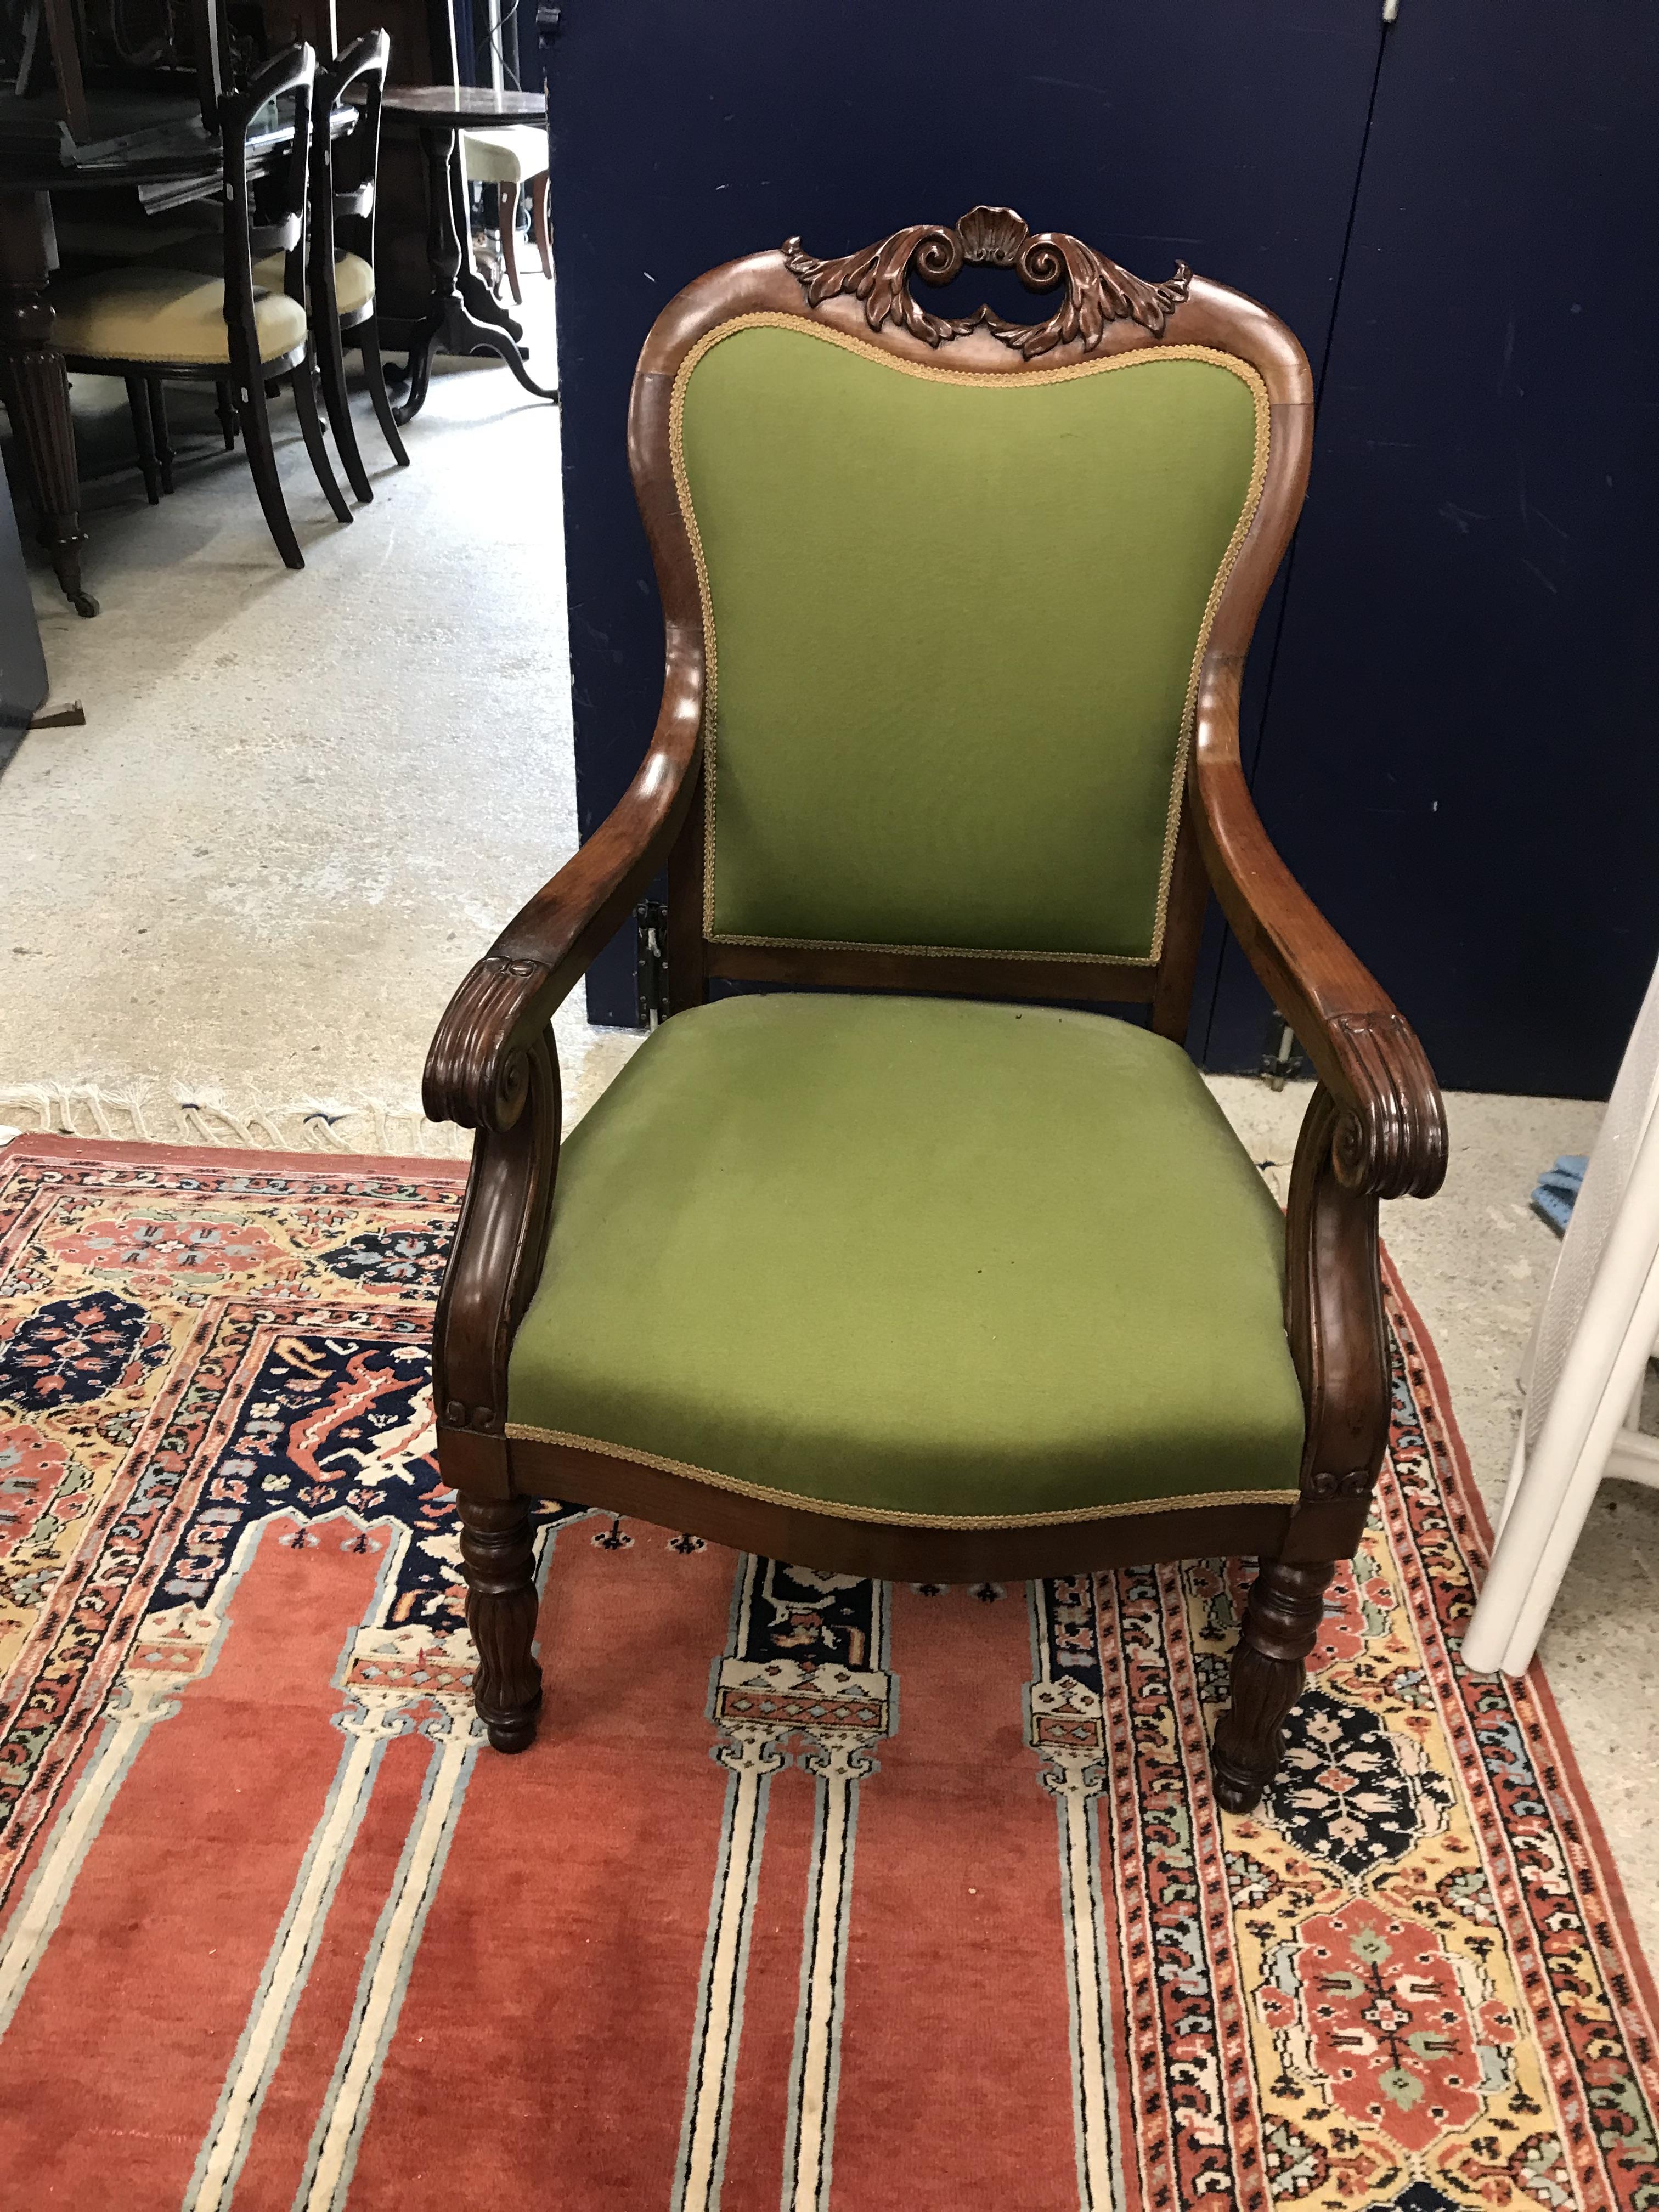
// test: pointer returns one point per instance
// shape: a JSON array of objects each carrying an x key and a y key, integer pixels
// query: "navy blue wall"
[
  {"x": 1446, "y": 720},
  {"x": 1460, "y": 758},
  {"x": 1220, "y": 132}
]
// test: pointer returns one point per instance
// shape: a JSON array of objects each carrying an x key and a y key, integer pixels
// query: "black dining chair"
[
  {"x": 340, "y": 248},
  {"x": 345, "y": 312},
  {"x": 154, "y": 323}
]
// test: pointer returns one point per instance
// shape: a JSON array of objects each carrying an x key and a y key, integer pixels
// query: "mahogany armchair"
[{"x": 906, "y": 1266}]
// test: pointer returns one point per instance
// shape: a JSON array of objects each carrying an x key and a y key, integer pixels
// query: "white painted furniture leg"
[{"x": 1553, "y": 1488}]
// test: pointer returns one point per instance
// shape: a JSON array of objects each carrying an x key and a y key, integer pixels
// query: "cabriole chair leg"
[
  {"x": 498, "y": 1551},
  {"x": 262, "y": 462},
  {"x": 330, "y": 369},
  {"x": 538, "y": 190},
  {"x": 507, "y": 224},
  {"x": 368, "y": 340},
  {"x": 143, "y": 438},
  {"x": 1281, "y": 1626},
  {"x": 158, "y": 424},
  {"x": 310, "y": 425},
  {"x": 225, "y": 412}
]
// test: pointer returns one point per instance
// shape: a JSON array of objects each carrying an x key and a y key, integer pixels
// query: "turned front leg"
[
  {"x": 35, "y": 387},
  {"x": 1281, "y": 1626},
  {"x": 498, "y": 1551}
]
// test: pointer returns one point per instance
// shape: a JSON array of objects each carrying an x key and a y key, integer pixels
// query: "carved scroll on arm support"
[
  {"x": 492, "y": 1067},
  {"x": 1376, "y": 1128}
]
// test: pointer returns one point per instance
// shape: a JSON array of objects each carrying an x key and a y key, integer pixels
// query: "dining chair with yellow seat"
[
  {"x": 344, "y": 182},
  {"x": 913, "y": 1262},
  {"x": 510, "y": 157},
  {"x": 151, "y": 323},
  {"x": 340, "y": 289}
]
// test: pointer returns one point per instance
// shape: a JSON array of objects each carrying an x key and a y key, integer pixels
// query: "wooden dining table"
[
  {"x": 462, "y": 314},
  {"x": 153, "y": 146}
]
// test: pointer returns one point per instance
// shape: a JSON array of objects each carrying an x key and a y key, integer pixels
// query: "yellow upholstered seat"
[
  {"x": 507, "y": 156},
  {"x": 354, "y": 279},
  {"x": 145, "y": 313}
]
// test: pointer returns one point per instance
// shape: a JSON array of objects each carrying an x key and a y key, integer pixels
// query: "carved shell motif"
[{"x": 1096, "y": 291}]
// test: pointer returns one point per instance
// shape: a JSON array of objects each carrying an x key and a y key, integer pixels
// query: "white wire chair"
[{"x": 1585, "y": 1368}]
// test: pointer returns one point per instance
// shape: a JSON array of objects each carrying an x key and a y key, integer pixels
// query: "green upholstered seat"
[{"x": 916, "y": 1257}]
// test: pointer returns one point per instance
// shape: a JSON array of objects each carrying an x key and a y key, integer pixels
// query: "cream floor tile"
[{"x": 302, "y": 805}]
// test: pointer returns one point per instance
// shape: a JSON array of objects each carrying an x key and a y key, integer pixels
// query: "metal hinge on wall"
[
  {"x": 651, "y": 961},
  {"x": 1281, "y": 1056}
]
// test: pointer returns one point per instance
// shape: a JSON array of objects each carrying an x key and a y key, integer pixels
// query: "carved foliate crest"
[{"x": 1096, "y": 291}]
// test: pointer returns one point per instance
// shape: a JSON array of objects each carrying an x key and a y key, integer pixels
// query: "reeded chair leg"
[
  {"x": 366, "y": 337},
  {"x": 538, "y": 191},
  {"x": 1281, "y": 1626},
  {"x": 224, "y": 407},
  {"x": 138, "y": 408},
  {"x": 498, "y": 1551},
  {"x": 506, "y": 217},
  {"x": 158, "y": 424},
  {"x": 262, "y": 462},
  {"x": 305, "y": 401}
]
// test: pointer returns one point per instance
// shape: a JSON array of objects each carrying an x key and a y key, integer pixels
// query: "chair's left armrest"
[
  {"x": 476, "y": 1070},
  {"x": 492, "y": 1067},
  {"x": 1391, "y": 1138}
]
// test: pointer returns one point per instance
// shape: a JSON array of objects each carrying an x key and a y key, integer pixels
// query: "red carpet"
[{"x": 813, "y": 1894}]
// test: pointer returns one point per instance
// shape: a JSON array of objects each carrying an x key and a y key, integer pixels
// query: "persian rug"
[{"x": 814, "y": 1893}]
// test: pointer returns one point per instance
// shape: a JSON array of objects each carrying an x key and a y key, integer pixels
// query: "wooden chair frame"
[
  {"x": 335, "y": 201},
  {"x": 1375, "y": 1128},
  {"x": 292, "y": 71}
]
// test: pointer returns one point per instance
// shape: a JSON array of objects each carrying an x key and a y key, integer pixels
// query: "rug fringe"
[{"x": 145, "y": 1114}]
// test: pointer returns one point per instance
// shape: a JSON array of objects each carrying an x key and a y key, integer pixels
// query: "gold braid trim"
[{"x": 522, "y": 1433}]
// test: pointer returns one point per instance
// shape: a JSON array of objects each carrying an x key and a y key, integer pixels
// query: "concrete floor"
[{"x": 236, "y": 901}]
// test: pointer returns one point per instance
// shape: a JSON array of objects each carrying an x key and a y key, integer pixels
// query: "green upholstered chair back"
[{"x": 954, "y": 622}]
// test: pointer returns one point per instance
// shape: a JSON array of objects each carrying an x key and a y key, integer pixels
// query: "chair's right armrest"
[{"x": 1391, "y": 1138}]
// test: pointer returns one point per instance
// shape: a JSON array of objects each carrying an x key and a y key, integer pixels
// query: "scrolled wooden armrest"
[
  {"x": 1390, "y": 1134},
  {"x": 477, "y": 1068},
  {"x": 1391, "y": 1139}
]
